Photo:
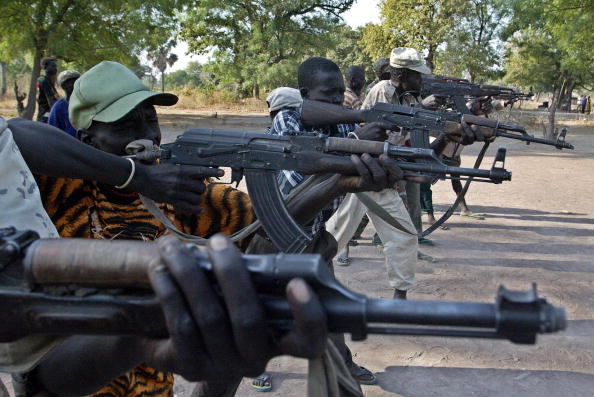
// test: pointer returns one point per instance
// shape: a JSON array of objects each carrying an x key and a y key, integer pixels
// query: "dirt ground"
[{"x": 538, "y": 227}]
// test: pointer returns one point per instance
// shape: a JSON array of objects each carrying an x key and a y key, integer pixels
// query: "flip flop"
[
  {"x": 262, "y": 383},
  {"x": 343, "y": 261},
  {"x": 365, "y": 376}
]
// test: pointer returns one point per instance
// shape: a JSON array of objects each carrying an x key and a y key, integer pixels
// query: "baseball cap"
[
  {"x": 408, "y": 58},
  {"x": 284, "y": 97},
  {"x": 67, "y": 75},
  {"x": 107, "y": 92}
]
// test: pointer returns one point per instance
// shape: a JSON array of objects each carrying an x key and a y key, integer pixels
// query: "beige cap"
[
  {"x": 284, "y": 97},
  {"x": 67, "y": 75},
  {"x": 408, "y": 58}
]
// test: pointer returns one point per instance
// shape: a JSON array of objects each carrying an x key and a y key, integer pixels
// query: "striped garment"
[{"x": 86, "y": 209}]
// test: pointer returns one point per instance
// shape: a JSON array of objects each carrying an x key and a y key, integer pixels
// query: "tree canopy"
[
  {"x": 83, "y": 33},
  {"x": 258, "y": 43}
]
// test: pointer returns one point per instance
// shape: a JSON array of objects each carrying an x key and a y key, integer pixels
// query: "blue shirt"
[
  {"x": 59, "y": 117},
  {"x": 288, "y": 122}
]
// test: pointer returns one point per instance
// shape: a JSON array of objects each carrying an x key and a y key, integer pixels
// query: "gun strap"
[
  {"x": 382, "y": 213},
  {"x": 459, "y": 198},
  {"x": 155, "y": 211}
]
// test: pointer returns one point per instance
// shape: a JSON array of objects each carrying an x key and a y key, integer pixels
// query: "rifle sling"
[
  {"x": 382, "y": 213},
  {"x": 459, "y": 198},
  {"x": 155, "y": 211}
]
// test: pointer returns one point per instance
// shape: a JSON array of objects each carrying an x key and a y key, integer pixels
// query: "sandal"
[
  {"x": 343, "y": 261},
  {"x": 423, "y": 240},
  {"x": 262, "y": 383},
  {"x": 364, "y": 376}
]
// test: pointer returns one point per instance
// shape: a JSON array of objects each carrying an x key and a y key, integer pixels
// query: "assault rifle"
[
  {"x": 418, "y": 120},
  {"x": 459, "y": 90},
  {"x": 517, "y": 316},
  {"x": 259, "y": 156}
]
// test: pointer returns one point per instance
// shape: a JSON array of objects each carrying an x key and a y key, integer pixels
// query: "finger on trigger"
[
  {"x": 377, "y": 172},
  {"x": 200, "y": 172},
  {"x": 361, "y": 168},
  {"x": 395, "y": 172}
]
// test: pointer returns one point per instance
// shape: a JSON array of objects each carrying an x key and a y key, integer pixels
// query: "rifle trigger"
[{"x": 236, "y": 175}]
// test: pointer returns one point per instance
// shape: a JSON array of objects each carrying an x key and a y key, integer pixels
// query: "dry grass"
[
  {"x": 8, "y": 106},
  {"x": 200, "y": 99}
]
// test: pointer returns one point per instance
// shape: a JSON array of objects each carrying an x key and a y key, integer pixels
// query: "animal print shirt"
[{"x": 89, "y": 210}]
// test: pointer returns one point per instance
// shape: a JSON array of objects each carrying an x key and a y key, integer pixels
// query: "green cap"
[{"x": 107, "y": 92}]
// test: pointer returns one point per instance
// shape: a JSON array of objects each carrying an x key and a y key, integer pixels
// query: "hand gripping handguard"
[{"x": 517, "y": 316}]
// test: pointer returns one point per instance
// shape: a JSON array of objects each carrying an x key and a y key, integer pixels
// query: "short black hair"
[
  {"x": 398, "y": 74},
  {"x": 45, "y": 61},
  {"x": 354, "y": 72},
  {"x": 309, "y": 69}
]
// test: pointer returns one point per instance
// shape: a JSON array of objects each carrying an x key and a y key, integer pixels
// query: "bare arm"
[{"x": 49, "y": 151}]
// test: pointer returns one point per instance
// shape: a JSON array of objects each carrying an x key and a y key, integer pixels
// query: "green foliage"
[
  {"x": 472, "y": 48},
  {"x": 191, "y": 75},
  {"x": 347, "y": 50},
  {"x": 84, "y": 33},
  {"x": 420, "y": 24},
  {"x": 259, "y": 42},
  {"x": 550, "y": 43}
]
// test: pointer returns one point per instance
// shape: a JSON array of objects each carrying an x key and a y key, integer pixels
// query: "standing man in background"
[
  {"x": 47, "y": 94},
  {"x": 355, "y": 81}
]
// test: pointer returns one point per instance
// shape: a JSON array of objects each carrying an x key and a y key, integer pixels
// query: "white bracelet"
[
  {"x": 353, "y": 134},
  {"x": 131, "y": 174}
]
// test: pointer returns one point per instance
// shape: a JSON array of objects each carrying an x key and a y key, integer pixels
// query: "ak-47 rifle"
[
  {"x": 259, "y": 156},
  {"x": 516, "y": 315},
  {"x": 459, "y": 90},
  {"x": 419, "y": 121}
]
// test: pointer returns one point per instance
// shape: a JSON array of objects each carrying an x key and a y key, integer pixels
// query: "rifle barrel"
[{"x": 529, "y": 138}]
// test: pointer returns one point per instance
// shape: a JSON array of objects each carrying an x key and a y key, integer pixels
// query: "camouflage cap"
[
  {"x": 109, "y": 91},
  {"x": 408, "y": 58}
]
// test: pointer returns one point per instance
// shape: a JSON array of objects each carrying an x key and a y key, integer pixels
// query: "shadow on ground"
[{"x": 463, "y": 382}]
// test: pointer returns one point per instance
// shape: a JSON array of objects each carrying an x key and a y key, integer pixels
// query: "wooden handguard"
[{"x": 90, "y": 262}]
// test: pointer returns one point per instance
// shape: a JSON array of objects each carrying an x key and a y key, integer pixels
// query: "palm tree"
[{"x": 163, "y": 58}]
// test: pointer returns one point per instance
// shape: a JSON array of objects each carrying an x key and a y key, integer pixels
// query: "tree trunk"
[
  {"x": 256, "y": 91},
  {"x": 564, "y": 102},
  {"x": 569, "y": 93},
  {"x": 4, "y": 85},
  {"x": 32, "y": 95},
  {"x": 552, "y": 110},
  {"x": 163, "y": 80},
  {"x": 430, "y": 56}
]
